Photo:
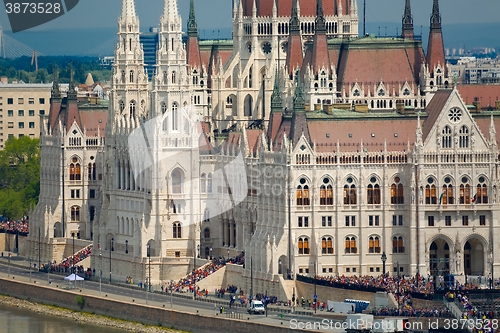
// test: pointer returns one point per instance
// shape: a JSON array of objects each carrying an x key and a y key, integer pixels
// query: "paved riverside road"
[{"x": 19, "y": 267}]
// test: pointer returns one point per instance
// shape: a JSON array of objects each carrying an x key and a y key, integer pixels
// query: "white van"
[{"x": 256, "y": 307}]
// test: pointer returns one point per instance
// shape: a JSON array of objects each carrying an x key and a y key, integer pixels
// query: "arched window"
[
  {"x": 122, "y": 106},
  {"x": 326, "y": 193},
  {"x": 464, "y": 137},
  {"x": 465, "y": 191},
  {"x": 303, "y": 245},
  {"x": 175, "y": 116},
  {"x": 248, "y": 106},
  {"x": 350, "y": 245},
  {"x": 397, "y": 245},
  {"x": 397, "y": 196},
  {"x": 446, "y": 138},
  {"x": 326, "y": 245},
  {"x": 447, "y": 194},
  {"x": 132, "y": 107},
  {"x": 176, "y": 181},
  {"x": 206, "y": 215},
  {"x": 481, "y": 195},
  {"x": 163, "y": 107},
  {"x": 303, "y": 195},
  {"x": 350, "y": 194},
  {"x": 209, "y": 183},
  {"x": 176, "y": 230},
  {"x": 430, "y": 192},
  {"x": 72, "y": 171},
  {"x": 174, "y": 78},
  {"x": 374, "y": 244},
  {"x": 206, "y": 233},
  {"x": 75, "y": 213},
  {"x": 373, "y": 194},
  {"x": 131, "y": 76},
  {"x": 203, "y": 183}
]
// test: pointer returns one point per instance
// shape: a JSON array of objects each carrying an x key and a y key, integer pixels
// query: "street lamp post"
[
  {"x": 315, "y": 293},
  {"x": 194, "y": 270},
  {"x": 384, "y": 259},
  {"x": 399, "y": 284},
  {"x": 30, "y": 269},
  {"x": 39, "y": 261},
  {"x": 279, "y": 267},
  {"x": 148, "y": 279},
  {"x": 251, "y": 278},
  {"x": 210, "y": 253},
  {"x": 227, "y": 254},
  {"x": 100, "y": 271},
  {"x": 111, "y": 249},
  {"x": 126, "y": 246}
]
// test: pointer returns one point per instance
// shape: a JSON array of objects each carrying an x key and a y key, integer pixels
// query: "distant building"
[
  {"x": 149, "y": 41},
  {"x": 21, "y": 105},
  {"x": 472, "y": 70}
]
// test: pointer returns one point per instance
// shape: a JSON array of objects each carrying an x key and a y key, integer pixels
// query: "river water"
[{"x": 15, "y": 320}]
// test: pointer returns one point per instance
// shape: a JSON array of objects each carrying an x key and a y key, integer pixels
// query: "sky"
[{"x": 216, "y": 14}]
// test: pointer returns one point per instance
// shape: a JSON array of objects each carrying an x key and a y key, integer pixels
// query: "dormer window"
[
  {"x": 356, "y": 93},
  {"x": 381, "y": 92}
]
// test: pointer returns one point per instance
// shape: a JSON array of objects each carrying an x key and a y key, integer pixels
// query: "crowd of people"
[
  {"x": 20, "y": 226},
  {"x": 187, "y": 284},
  {"x": 409, "y": 311},
  {"x": 67, "y": 264},
  {"x": 469, "y": 311}
]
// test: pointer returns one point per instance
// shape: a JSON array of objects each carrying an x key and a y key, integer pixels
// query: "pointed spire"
[
  {"x": 128, "y": 10},
  {"x": 56, "y": 92},
  {"x": 299, "y": 103},
  {"x": 492, "y": 131},
  {"x": 294, "y": 21},
  {"x": 276, "y": 100},
  {"x": 192, "y": 25},
  {"x": 436, "y": 16},
  {"x": 320, "y": 17},
  {"x": 71, "y": 91},
  {"x": 170, "y": 12},
  {"x": 254, "y": 9},
  {"x": 407, "y": 29}
]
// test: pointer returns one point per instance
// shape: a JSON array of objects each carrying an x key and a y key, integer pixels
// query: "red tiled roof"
[
  {"x": 72, "y": 114},
  {"x": 94, "y": 122},
  {"x": 307, "y": 7},
  {"x": 274, "y": 123},
  {"x": 253, "y": 136},
  {"x": 294, "y": 54},
  {"x": 486, "y": 94},
  {"x": 484, "y": 126},
  {"x": 372, "y": 65},
  {"x": 350, "y": 133},
  {"x": 320, "y": 56},
  {"x": 433, "y": 110},
  {"x": 193, "y": 52},
  {"x": 435, "y": 50}
]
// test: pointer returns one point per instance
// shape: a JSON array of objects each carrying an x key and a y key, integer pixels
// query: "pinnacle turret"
[
  {"x": 407, "y": 29},
  {"x": 192, "y": 27}
]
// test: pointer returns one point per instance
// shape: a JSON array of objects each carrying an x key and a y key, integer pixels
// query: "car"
[{"x": 256, "y": 307}]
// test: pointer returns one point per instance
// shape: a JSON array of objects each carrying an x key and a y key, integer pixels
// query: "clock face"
[{"x": 455, "y": 115}]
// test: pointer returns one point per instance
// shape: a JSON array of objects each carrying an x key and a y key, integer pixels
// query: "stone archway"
[
  {"x": 474, "y": 257},
  {"x": 439, "y": 257}
]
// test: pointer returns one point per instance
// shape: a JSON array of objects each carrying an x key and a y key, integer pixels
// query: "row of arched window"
[
  {"x": 373, "y": 195},
  {"x": 374, "y": 244},
  {"x": 462, "y": 138},
  {"x": 466, "y": 193}
]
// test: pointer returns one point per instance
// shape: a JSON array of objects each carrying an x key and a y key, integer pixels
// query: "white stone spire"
[
  {"x": 128, "y": 10},
  {"x": 170, "y": 15}
]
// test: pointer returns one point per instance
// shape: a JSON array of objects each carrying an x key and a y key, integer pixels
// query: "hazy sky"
[{"x": 216, "y": 14}]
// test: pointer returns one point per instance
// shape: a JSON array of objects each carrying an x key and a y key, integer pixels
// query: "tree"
[{"x": 20, "y": 176}]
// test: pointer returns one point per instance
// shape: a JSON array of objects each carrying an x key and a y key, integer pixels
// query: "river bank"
[{"x": 83, "y": 317}]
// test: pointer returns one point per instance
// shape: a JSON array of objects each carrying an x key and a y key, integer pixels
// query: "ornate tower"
[{"x": 129, "y": 100}]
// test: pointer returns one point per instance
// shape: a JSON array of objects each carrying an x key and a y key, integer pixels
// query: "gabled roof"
[
  {"x": 434, "y": 109},
  {"x": 371, "y": 60},
  {"x": 372, "y": 133}
]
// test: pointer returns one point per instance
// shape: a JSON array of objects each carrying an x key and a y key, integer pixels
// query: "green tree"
[{"x": 20, "y": 176}]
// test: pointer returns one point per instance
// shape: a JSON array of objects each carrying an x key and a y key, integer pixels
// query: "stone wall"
[{"x": 134, "y": 312}]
